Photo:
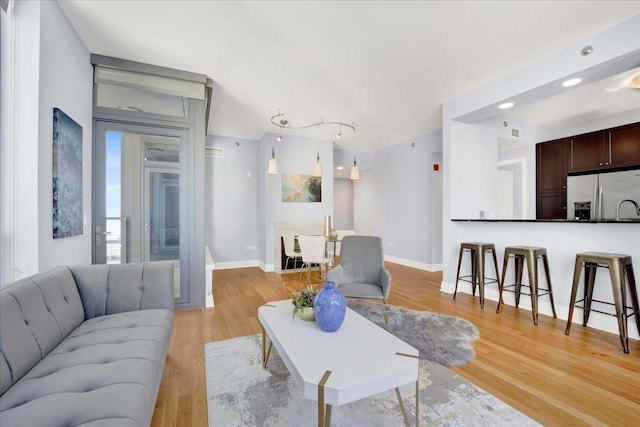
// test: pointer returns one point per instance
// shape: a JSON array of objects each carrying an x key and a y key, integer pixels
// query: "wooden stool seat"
[
  {"x": 531, "y": 254},
  {"x": 477, "y": 277},
  {"x": 619, "y": 266}
]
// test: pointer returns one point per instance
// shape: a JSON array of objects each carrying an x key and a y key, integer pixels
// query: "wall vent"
[
  {"x": 213, "y": 152},
  {"x": 515, "y": 133}
]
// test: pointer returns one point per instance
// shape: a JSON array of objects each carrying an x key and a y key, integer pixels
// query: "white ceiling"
[{"x": 386, "y": 66}]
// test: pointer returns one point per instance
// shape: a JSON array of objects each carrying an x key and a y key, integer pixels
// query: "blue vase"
[{"x": 330, "y": 307}]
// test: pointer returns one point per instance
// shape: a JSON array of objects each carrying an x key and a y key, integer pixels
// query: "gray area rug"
[
  {"x": 241, "y": 393},
  {"x": 442, "y": 339}
]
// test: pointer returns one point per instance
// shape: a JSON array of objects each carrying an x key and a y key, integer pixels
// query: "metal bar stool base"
[
  {"x": 477, "y": 277},
  {"x": 620, "y": 268},
  {"x": 531, "y": 255}
]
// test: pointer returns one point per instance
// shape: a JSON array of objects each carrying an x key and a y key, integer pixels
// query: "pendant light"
[
  {"x": 317, "y": 169},
  {"x": 272, "y": 168},
  {"x": 355, "y": 172}
]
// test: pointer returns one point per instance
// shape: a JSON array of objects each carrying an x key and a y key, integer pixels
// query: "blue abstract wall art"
[
  {"x": 67, "y": 176},
  {"x": 301, "y": 188}
]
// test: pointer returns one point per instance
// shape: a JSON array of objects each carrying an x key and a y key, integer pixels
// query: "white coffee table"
[{"x": 335, "y": 368}]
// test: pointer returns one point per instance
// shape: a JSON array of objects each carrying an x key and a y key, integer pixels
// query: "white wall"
[
  {"x": 435, "y": 209},
  {"x": 231, "y": 205},
  {"x": 476, "y": 182},
  {"x": 394, "y": 199},
  {"x": 66, "y": 78},
  {"x": 562, "y": 240},
  {"x": 50, "y": 69},
  {"x": 8, "y": 112},
  {"x": 342, "y": 204},
  {"x": 21, "y": 196}
]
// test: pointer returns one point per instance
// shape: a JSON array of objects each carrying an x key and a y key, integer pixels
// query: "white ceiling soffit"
[
  {"x": 386, "y": 66},
  {"x": 603, "y": 98}
]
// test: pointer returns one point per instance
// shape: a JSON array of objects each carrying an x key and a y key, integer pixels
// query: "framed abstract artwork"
[
  {"x": 301, "y": 188},
  {"x": 67, "y": 176}
]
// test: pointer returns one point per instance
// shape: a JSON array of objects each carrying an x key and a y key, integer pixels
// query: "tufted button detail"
[{"x": 26, "y": 322}]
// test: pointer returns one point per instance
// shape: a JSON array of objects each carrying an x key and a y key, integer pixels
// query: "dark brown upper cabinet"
[
  {"x": 586, "y": 152},
  {"x": 606, "y": 149},
  {"x": 624, "y": 146},
  {"x": 551, "y": 179},
  {"x": 551, "y": 162}
]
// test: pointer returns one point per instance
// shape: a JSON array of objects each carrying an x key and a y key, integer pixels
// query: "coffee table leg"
[
  {"x": 417, "y": 401},
  {"x": 265, "y": 351},
  {"x": 402, "y": 408},
  {"x": 322, "y": 421}
]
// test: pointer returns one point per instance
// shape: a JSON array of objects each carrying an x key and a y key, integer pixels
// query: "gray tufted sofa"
[{"x": 85, "y": 346}]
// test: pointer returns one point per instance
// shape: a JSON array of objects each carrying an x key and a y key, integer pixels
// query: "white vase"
[{"x": 306, "y": 313}]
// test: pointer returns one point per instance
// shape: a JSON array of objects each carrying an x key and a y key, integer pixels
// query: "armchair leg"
[{"x": 384, "y": 312}]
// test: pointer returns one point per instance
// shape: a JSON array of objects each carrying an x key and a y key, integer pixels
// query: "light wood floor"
[{"x": 582, "y": 379}]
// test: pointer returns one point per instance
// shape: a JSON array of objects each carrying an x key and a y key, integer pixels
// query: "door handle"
[{"x": 99, "y": 234}]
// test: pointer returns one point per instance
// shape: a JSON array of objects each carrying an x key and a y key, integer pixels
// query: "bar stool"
[
  {"x": 477, "y": 250},
  {"x": 531, "y": 254},
  {"x": 618, "y": 266}
]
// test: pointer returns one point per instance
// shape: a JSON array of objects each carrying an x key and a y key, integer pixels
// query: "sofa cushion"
[
  {"x": 116, "y": 288},
  {"x": 36, "y": 314},
  {"x": 107, "y": 372}
]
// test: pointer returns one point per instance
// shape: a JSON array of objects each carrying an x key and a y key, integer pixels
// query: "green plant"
[{"x": 304, "y": 298}]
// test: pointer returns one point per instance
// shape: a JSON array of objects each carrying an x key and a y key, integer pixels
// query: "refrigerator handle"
[
  {"x": 600, "y": 203},
  {"x": 594, "y": 203}
]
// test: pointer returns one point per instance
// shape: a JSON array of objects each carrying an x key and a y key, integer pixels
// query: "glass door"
[{"x": 137, "y": 197}]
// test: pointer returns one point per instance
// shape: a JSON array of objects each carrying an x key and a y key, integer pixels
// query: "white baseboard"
[
  {"x": 265, "y": 267},
  {"x": 596, "y": 320},
  {"x": 413, "y": 264},
  {"x": 236, "y": 264},
  {"x": 209, "y": 301}
]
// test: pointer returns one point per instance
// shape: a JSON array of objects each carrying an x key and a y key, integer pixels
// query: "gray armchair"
[{"x": 361, "y": 272}]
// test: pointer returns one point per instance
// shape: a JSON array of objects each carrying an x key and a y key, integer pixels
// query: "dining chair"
[
  {"x": 288, "y": 238},
  {"x": 313, "y": 250}
]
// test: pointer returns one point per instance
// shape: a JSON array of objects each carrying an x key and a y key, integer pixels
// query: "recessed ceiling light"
[
  {"x": 571, "y": 82},
  {"x": 340, "y": 168},
  {"x": 505, "y": 105},
  {"x": 635, "y": 82},
  {"x": 586, "y": 50}
]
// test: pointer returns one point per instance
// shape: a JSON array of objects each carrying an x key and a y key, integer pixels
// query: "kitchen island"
[{"x": 563, "y": 240}]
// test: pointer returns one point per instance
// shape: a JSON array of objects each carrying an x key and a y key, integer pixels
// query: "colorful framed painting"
[
  {"x": 67, "y": 176},
  {"x": 301, "y": 188}
]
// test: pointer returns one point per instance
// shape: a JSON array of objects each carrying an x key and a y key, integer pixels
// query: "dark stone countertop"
[{"x": 573, "y": 221}]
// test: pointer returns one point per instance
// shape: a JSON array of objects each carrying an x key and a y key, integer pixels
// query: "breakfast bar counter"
[{"x": 563, "y": 239}]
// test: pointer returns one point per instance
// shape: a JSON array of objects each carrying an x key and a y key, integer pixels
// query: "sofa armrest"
[{"x": 118, "y": 288}]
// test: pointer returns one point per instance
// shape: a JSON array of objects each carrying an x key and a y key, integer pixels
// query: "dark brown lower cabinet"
[{"x": 551, "y": 205}]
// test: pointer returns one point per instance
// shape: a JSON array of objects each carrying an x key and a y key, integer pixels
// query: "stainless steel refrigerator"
[{"x": 596, "y": 196}]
